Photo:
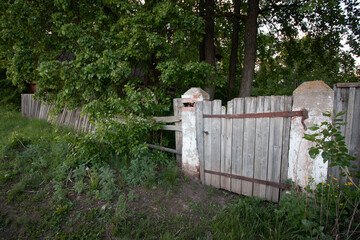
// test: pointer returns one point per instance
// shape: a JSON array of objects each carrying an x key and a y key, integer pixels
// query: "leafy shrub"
[
  {"x": 330, "y": 143},
  {"x": 17, "y": 140},
  {"x": 331, "y": 207},
  {"x": 141, "y": 169},
  {"x": 170, "y": 174}
]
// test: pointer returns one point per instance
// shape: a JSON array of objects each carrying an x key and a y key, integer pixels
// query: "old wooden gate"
[{"x": 244, "y": 148}]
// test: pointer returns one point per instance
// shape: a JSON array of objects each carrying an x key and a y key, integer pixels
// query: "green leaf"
[
  {"x": 327, "y": 114},
  {"x": 340, "y": 114},
  {"x": 314, "y": 152},
  {"x": 314, "y": 128}
]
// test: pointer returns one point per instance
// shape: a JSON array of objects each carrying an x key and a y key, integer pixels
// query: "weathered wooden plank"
[
  {"x": 78, "y": 119},
  {"x": 172, "y": 128},
  {"x": 341, "y": 99},
  {"x": 227, "y": 147},
  {"x": 22, "y": 104},
  {"x": 261, "y": 146},
  {"x": 165, "y": 149},
  {"x": 237, "y": 145},
  {"x": 215, "y": 144},
  {"x": 354, "y": 145},
  {"x": 168, "y": 119},
  {"x": 222, "y": 144},
  {"x": 249, "y": 146},
  {"x": 347, "y": 85},
  {"x": 275, "y": 148},
  {"x": 31, "y": 112},
  {"x": 349, "y": 116},
  {"x": 177, "y": 106},
  {"x": 200, "y": 137},
  {"x": 68, "y": 118},
  {"x": 207, "y": 107},
  {"x": 41, "y": 112},
  {"x": 38, "y": 106},
  {"x": 286, "y": 143}
]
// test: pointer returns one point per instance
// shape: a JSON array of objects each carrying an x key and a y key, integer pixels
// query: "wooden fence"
[
  {"x": 244, "y": 147},
  {"x": 347, "y": 98},
  {"x": 32, "y": 108},
  {"x": 243, "y": 152},
  {"x": 35, "y": 109}
]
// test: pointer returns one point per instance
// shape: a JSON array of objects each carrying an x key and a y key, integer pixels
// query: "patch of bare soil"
[{"x": 189, "y": 198}]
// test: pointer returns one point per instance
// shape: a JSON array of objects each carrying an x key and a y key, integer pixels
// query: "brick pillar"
[
  {"x": 316, "y": 97},
  {"x": 190, "y": 154}
]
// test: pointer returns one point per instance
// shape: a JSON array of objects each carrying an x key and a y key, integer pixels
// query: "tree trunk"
[
  {"x": 250, "y": 48},
  {"x": 234, "y": 49},
  {"x": 202, "y": 44},
  {"x": 209, "y": 43}
]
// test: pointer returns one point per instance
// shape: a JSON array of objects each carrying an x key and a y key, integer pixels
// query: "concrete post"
[
  {"x": 316, "y": 97},
  {"x": 190, "y": 154}
]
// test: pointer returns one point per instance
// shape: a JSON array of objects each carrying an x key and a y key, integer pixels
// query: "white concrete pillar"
[
  {"x": 317, "y": 98},
  {"x": 190, "y": 154}
]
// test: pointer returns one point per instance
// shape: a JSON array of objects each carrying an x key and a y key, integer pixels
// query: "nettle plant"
[{"x": 330, "y": 143}]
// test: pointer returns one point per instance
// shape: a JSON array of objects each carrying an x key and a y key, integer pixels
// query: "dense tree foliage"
[{"x": 98, "y": 53}]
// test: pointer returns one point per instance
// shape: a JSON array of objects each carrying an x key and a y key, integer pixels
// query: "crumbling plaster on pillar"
[
  {"x": 190, "y": 155},
  {"x": 317, "y": 98}
]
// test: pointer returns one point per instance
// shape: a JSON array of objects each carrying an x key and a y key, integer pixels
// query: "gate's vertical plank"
[
  {"x": 237, "y": 145},
  {"x": 215, "y": 144},
  {"x": 261, "y": 146},
  {"x": 222, "y": 146},
  {"x": 248, "y": 146},
  {"x": 226, "y": 147},
  {"x": 200, "y": 137},
  {"x": 207, "y": 106},
  {"x": 286, "y": 142},
  {"x": 275, "y": 148}
]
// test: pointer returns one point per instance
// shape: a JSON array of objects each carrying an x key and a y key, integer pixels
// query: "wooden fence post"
[{"x": 178, "y": 134}]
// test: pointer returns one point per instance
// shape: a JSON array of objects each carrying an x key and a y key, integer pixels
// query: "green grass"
[{"x": 51, "y": 189}]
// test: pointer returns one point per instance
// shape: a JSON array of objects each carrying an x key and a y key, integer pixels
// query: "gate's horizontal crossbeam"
[
  {"x": 254, "y": 180},
  {"x": 302, "y": 113}
]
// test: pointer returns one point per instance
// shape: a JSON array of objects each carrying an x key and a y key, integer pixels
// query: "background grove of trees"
[{"x": 101, "y": 53}]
